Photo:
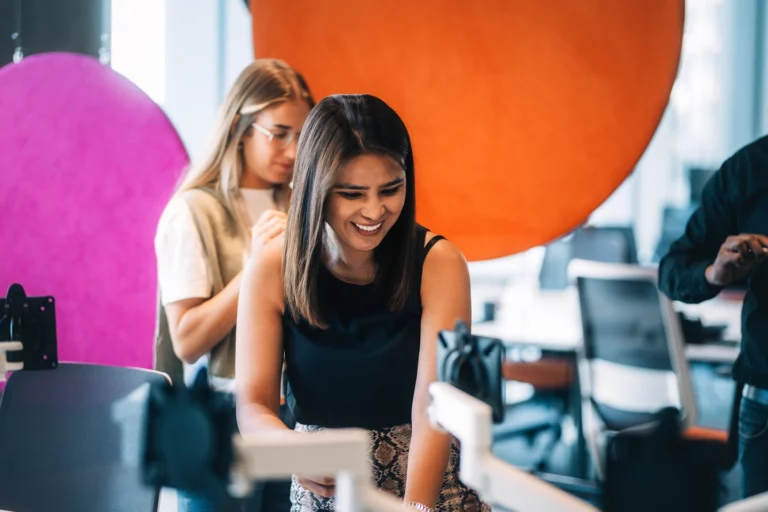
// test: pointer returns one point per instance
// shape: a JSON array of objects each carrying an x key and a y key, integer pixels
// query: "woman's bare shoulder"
[
  {"x": 271, "y": 255},
  {"x": 264, "y": 270}
]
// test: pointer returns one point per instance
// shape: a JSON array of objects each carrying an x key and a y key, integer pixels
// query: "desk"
[
  {"x": 551, "y": 320},
  {"x": 712, "y": 353},
  {"x": 725, "y": 309}
]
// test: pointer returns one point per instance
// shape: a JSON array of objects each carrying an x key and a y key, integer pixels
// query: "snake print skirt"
[{"x": 389, "y": 454}]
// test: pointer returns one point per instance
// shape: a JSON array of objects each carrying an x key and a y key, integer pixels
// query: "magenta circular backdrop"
[{"x": 87, "y": 163}]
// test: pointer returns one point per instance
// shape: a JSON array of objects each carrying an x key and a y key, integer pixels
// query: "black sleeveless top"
[{"x": 360, "y": 371}]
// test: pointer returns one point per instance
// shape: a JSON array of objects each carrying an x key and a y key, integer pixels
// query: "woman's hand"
[
  {"x": 321, "y": 486},
  {"x": 271, "y": 224}
]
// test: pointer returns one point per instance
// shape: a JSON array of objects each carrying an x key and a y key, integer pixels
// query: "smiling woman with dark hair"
[{"x": 354, "y": 295}]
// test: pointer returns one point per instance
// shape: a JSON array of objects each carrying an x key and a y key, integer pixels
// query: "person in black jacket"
[{"x": 726, "y": 240}]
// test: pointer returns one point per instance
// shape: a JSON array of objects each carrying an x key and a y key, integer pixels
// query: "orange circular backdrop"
[{"x": 525, "y": 115}]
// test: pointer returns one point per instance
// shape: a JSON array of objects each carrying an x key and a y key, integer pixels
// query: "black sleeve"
[{"x": 681, "y": 270}]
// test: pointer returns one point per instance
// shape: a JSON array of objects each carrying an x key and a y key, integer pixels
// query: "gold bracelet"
[{"x": 418, "y": 506}]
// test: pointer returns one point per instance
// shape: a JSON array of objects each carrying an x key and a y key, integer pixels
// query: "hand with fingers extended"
[
  {"x": 321, "y": 486},
  {"x": 738, "y": 257},
  {"x": 271, "y": 224}
]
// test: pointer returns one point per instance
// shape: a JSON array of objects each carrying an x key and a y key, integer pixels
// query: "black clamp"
[
  {"x": 31, "y": 321},
  {"x": 187, "y": 442},
  {"x": 473, "y": 364}
]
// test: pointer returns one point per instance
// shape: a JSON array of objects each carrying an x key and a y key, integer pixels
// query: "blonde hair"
[{"x": 263, "y": 84}]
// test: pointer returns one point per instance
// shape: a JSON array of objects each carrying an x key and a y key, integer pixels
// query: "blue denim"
[
  {"x": 753, "y": 447},
  {"x": 266, "y": 497}
]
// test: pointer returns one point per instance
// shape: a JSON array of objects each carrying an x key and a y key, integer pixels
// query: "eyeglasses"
[{"x": 282, "y": 139}]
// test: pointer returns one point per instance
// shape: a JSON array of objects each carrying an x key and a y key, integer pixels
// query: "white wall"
[
  {"x": 207, "y": 44},
  {"x": 654, "y": 177},
  {"x": 619, "y": 208},
  {"x": 740, "y": 72},
  {"x": 138, "y": 44},
  {"x": 762, "y": 76},
  {"x": 238, "y": 41}
]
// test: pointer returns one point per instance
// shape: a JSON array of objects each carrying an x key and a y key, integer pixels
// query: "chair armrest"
[
  {"x": 542, "y": 374},
  {"x": 706, "y": 434}
]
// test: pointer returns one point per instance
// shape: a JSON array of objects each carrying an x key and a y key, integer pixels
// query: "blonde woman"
[{"x": 228, "y": 206}]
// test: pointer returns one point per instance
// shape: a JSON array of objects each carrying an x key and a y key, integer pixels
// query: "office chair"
[
  {"x": 698, "y": 178},
  {"x": 674, "y": 219},
  {"x": 610, "y": 244},
  {"x": 632, "y": 362},
  {"x": 673, "y": 222},
  {"x": 537, "y": 419},
  {"x": 553, "y": 274},
  {"x": 59, "y": 446}
]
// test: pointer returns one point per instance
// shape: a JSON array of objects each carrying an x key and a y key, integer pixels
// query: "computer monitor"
[
  {"x": 697, "y": 179},
  {"x": 609, "y": 244}
]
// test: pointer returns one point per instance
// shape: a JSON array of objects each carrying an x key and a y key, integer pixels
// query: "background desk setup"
[
  {"x": 543, "y": 333},
  {"x": 550, "y": 319}
]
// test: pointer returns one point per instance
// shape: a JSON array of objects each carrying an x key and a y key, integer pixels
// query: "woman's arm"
[
  {"x": 198, "y": 325},
  {"x": 259, "y": 343},
  {"x": 259, "y": 351},
  {"x": 445, "y": 297}
]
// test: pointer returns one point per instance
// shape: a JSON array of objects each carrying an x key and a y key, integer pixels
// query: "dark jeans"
[
  {"x": 266, "y": 496},
  {"x": 753, "y": 447}
]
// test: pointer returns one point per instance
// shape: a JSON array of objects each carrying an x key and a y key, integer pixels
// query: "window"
[
  {"x": 697, "y": 98},
  {"x": 138, "y": 44}
]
